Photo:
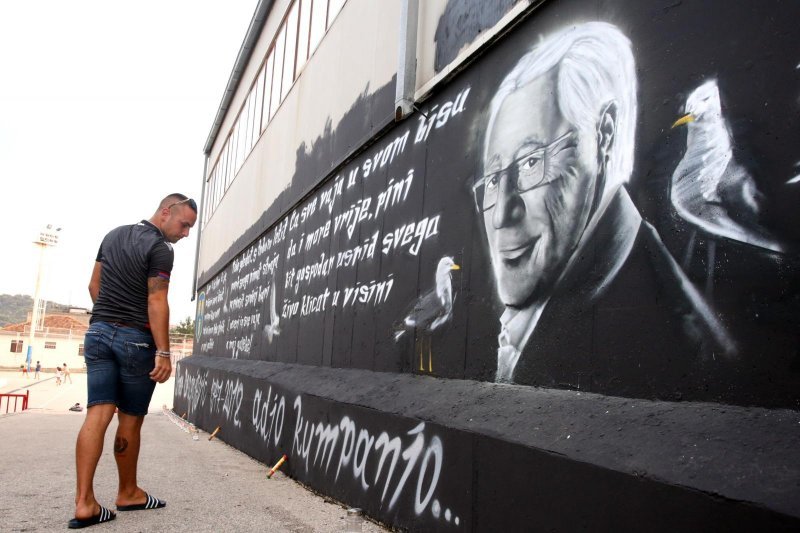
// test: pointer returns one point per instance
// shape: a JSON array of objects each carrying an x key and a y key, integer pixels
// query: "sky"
[{"x": 105, "y": 108}]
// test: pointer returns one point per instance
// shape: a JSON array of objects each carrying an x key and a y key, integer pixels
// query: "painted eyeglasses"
[{"x": 524, "y": 173}]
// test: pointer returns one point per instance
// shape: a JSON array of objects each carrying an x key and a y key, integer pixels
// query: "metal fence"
[
  {"x": 17, "y": 398},
  {"x": 181, "y": 346}
]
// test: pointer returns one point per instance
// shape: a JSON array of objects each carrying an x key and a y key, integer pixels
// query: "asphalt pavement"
[{"x": 208, "y": 485}]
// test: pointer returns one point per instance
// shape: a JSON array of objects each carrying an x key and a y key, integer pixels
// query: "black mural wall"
[
  {"x": 604, "y": 201},
  {"x": 457, "y": 455},
  {"x": 395, "y": 467},
  {"x": 601, "y": 201}
]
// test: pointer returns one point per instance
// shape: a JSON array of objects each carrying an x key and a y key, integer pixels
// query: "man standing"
[
  {"x": 570, "y": 252},
  {"x": 127, "y": 350},
  {"x": 67, "y": 375}
]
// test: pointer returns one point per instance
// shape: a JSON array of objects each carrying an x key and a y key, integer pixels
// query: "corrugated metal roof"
[{"x": 51, "y": 321}]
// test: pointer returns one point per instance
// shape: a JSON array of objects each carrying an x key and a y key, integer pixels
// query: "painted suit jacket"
[{"x": 669, "y": 329}]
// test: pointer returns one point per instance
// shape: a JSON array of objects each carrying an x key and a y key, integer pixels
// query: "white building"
[{"x": 59, "y": 341}]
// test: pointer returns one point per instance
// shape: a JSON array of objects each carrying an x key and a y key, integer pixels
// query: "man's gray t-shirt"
[{"x": 129, "y": 256}]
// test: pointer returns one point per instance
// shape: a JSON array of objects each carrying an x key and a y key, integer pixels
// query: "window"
[
  {"x": 298, "y": 35},
  {"x": 266, "y": 80},
  {"x": 333, "y": 10},
  {"x": 291, "y": 47},
  {"x": 269, "y": 84},
  {"x": 303, "y": 32},
  {"x": 209, "y": 207},
  {"x": 276, "y": 82},
  {"x": 16, "y": 346},
  {"x": 319, "y": 14},
  {"x": 246, "y": 121},
  {"x": 213, "y": 186},
  {"x": 240, "y": 140},
  {"x": 49, "y": 345},
  {"x": 225, "y": 167},
  {"x": 80, "y": 350},
  {"x": 259, "y": 88},
  {"x": 252, "y": 120},
  {"x": 215, "y": 189}
]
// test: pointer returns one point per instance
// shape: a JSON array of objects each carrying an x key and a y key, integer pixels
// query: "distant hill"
[{"x": 15, "y": 308}]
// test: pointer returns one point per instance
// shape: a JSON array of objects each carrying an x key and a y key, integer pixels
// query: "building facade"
[
  {"x": 59, "y": 341},
  {"x": 458, "y": 258}
]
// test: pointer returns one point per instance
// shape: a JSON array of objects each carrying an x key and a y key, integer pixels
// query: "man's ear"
[{"x": 606, "y": 130}]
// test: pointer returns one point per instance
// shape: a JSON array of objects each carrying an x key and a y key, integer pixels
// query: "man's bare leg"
[
  {"x": 126, "y": 452},
  {"x": 87, "y": 453}
]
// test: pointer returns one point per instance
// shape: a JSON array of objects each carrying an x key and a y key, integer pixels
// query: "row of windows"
[
  {"x": 16, "y": 346},
  {"x": 299, "y": 34}
]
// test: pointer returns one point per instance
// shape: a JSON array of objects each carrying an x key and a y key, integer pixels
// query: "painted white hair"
[{"x": 595, "y": 67}]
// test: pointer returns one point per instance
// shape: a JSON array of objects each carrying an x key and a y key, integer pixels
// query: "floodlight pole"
[{"x": 47, "y": 237}]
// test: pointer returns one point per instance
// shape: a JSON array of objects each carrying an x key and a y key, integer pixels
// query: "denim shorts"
[{"x": 119, "y": 360}]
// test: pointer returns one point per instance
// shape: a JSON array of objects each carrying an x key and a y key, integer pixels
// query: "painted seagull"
[
  {"x": 710, "y": 189},
  {"x": 273, "y": 329},
  {"x": 795, "y": 179},
  {"x": 432, "y": 309}
]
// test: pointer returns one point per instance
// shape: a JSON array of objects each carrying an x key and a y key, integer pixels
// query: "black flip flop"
[
  {"x": 150, "y": 503},
  {"x": 103, "y": 516}
]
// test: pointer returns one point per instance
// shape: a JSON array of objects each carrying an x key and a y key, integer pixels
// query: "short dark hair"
[{"x": 176, "y": 197}]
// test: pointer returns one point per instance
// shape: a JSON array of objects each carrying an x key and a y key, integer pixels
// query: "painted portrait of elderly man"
[{"x": 574, "y": 262}]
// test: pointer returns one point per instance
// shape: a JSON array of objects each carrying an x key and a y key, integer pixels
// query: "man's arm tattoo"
[{"x": 156, "y": 284}]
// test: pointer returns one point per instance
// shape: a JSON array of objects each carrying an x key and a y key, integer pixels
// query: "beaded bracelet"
[{"x": 162, "y": 353}]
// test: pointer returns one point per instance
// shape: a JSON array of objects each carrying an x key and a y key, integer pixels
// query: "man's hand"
[{"x": 162, "y": 371}]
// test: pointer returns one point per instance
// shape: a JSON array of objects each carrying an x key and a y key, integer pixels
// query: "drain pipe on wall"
[
  {"x": 200, "y": 223},
  {"x": 406, "y": 60}
]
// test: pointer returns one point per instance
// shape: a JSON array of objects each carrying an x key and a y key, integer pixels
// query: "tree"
[{"x": 184, "y": 327}]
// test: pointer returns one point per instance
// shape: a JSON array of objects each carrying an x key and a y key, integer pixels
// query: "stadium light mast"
[{"x": 48, "y": 237}]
